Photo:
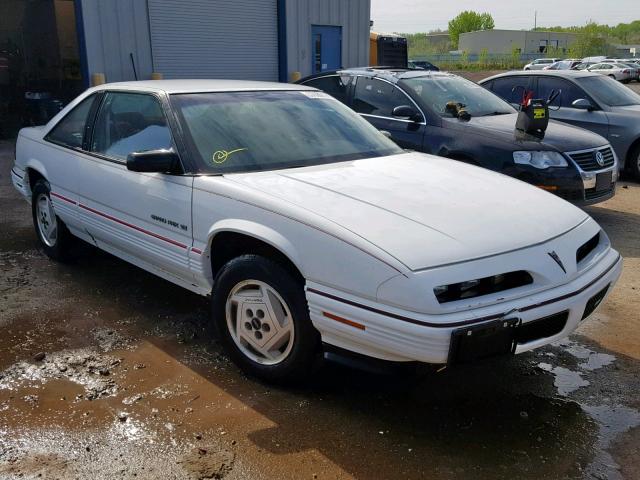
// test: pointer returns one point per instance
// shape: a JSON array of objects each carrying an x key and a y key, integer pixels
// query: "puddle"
[
  {"x": 566, "y": 381},
  {"x": 593, "y": 360},
  {"x": 612, "y": 419}
]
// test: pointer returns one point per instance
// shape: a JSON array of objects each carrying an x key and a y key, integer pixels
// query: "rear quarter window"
[
  {"x": 69, "y": 131},
  {"x": 334, "y": 85}
]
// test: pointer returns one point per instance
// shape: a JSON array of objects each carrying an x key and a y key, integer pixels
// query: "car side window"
[
  {"x": 511, "y": 88},
  {"x": 334, "y": 85},
  {"x": 130, "y": 122},
  {"x": 70, "y": 130},
  {"x": 569, "y": 92},
  {"x": 375, "y": 97}
]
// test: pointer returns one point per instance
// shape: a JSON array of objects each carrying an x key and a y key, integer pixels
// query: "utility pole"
[{"x": 535, "y": 19}]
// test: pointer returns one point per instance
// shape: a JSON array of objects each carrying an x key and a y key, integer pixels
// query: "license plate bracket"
[
  {"x": 487, "y": 340},
  {"x": 603, "y": 181}
]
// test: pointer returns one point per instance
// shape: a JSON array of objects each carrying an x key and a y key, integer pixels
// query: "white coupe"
[{"x": 307, "y": 226}]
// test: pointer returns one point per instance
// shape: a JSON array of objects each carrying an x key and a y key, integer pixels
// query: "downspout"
[{"x": 283, "y": 68}]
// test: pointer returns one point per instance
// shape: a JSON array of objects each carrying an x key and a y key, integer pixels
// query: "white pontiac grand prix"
[{"x": 308, "y": 226}]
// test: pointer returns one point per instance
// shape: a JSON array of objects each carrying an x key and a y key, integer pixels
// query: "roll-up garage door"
[{"x": 215, "y": 38}]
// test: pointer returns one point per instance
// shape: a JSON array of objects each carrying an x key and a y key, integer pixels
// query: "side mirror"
[
  {"x": 386, "y": 133},
  {"x": 159, "y": 161},
  {"x": 582, "y": 104},
  {"x": 407, "y": 112}
]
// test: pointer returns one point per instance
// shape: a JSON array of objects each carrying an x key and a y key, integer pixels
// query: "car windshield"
[
  {"x": 438, "y": 91},
  {"x": 609, "y": 92},
  {"x": 268, "y": 130}
]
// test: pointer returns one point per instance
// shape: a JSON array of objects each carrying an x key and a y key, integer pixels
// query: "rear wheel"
[
  {"x": 53, "y": 235},
  {"x": 262, "y": 317}
]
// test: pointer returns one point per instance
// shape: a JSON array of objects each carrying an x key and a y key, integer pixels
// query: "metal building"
[
  {"x": 506, "y": 41},
  {"x": 248, "y": 39}
]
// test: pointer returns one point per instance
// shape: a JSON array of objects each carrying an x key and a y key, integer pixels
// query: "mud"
[{"x": 109, "y": 372}]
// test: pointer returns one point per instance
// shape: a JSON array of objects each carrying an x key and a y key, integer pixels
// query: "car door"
[
  {"x": 561, "y": 109},
  {"x": 375, "y": 100},
  {"x": 63, "y": 160},
  {"x": 142, "y": 217}
]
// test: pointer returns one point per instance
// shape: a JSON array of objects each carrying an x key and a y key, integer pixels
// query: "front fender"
[{"x": 258, "y": 231}]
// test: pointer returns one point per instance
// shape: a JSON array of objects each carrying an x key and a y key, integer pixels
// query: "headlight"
[{"x": 540, "y": 160}]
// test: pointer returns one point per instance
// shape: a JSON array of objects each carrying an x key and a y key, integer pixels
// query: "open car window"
[{"x": 230, "y": 132}]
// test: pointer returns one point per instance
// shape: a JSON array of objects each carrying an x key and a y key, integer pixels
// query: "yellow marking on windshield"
[{"x": 221, "y": 156}]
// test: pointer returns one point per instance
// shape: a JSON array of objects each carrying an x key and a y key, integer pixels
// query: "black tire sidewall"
[
  {"x": 304, "y": 353},
  {"x": 634, "y": 163},
  {"x": 59, "y": 250}
]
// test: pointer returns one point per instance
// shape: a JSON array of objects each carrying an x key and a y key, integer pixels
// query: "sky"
[{"x": 408, "y": 16}]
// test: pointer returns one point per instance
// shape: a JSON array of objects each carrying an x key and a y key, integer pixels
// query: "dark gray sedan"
[{"x": 587, "y": 100}]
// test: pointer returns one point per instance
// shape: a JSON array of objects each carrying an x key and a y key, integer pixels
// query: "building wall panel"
[{"x": 352, "y": 15}]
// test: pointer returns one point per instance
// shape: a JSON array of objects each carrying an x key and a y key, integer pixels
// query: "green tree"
[{"x": 469, "y": 21}]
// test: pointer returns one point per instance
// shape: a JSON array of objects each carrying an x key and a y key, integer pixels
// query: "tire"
[
  {"x": 633, "y": 165},
  {"x": 613, "y": 76},
  {"x": 262, "y": 318},
  {"x": 58, "y": 245}
]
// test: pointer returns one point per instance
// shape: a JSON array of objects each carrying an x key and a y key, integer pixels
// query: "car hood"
[
  {"x": 628, "y": 108},
  {"x": 423, "y": 210},
  {"x": 558, "y": 136}
]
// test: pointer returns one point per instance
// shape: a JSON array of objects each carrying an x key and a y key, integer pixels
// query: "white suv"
[{"x": 540, "y": 63}]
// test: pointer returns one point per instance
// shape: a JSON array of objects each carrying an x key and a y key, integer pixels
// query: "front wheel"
[
  {"x": 634, "y": 162},
  {"x": 262, "y": 317},
  {"x": 53, "y": 235}
]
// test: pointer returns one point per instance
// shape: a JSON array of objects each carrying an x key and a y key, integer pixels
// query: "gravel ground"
[{"x": 108, "y": 372}]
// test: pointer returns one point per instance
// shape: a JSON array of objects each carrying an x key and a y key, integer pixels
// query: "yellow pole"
[
  {"x": 156, "y": 76},
  {"x": 97, "y": 79},
  {"x": 295, "y": 76}
]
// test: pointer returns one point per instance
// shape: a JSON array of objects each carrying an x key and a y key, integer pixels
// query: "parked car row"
[
  {"x": 624, "y": 70},
  {"x": 309, "y": 229},
  {"x": 588, "y": 100},
  {"x": 414, "y": 109}
]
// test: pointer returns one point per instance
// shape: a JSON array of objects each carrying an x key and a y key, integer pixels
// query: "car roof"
[
  {"x": 391, "y": 74},
  {"x": 556, "y": 73},
  {"x": 199, "y": 86}
]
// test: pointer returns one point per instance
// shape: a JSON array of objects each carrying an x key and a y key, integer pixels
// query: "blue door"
[{"x": 326, "y": 48}]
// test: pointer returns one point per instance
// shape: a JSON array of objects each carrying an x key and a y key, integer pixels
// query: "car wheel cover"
[
  {"x": 46, "y": 220},
  {"x": 260, "y": 322}
]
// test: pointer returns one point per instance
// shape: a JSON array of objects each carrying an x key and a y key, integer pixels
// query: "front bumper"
[
  {"x": 20, "y": 182},
  {"x": 570, "y": 183},
  {"x": 388, "y": 333}
]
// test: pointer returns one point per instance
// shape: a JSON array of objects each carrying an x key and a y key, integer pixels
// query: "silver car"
[
  {"x": 587, "y": 100},
  {"x": 617, "y": 71},
  {"x": 540, "y": 63}
]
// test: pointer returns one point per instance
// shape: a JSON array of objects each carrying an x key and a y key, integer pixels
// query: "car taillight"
[{"x": 626, "y": 71}]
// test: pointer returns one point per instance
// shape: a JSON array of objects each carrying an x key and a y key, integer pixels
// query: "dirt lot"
[{"x": 106, "y": 372}]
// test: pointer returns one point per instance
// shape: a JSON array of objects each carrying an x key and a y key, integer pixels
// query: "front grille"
[
  {"x": 542, "y": 328},
  {"x": 587, "y": 248},
  {"x": 587, "y": 160},
  {"x": 592, "y": 193},
  {"x": 594, "y": 301}
]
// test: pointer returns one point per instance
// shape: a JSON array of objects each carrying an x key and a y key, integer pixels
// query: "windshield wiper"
[{"x": 496, "y": 113}]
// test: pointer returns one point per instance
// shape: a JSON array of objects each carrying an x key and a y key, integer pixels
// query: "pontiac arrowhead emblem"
[{"x": 556, "y": 259}]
